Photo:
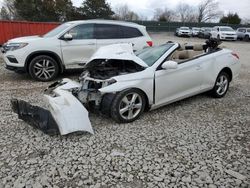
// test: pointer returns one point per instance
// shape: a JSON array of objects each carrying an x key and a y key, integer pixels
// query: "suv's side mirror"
[
  {"x": 67, "y": 37},
  {"x": 169, "y": 65}
]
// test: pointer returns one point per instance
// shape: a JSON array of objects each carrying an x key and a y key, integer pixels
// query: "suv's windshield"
[
  {"x": 152, "y": 54},
  {"x": 57, "y": 30},
  {"x": 184, "y": 28},
  {"x": 226, "y": 29}
]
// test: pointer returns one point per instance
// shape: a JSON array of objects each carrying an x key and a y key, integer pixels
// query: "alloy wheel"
[
  {"x": 222, "y": 85},
  {"x": 44, "y": 69},
  {"x": 130, "y": 106}
]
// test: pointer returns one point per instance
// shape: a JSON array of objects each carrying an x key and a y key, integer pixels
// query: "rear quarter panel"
[{"x": 220, "y": 60}]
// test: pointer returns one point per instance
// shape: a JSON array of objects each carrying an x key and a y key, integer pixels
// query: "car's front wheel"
[
  {"x": 221, "y": 85},
  {"x": 43, "y": 68},
  {"x": 128, "y": 105}
]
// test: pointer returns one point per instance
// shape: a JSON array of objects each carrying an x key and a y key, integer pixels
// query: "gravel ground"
[{"x": 198, "y": 142}]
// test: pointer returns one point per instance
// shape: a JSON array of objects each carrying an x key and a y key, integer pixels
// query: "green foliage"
[
  {"x": 45, "y": 10},
  {"x": 231, "y": 19},
  {"x": 96, "y": 9}
]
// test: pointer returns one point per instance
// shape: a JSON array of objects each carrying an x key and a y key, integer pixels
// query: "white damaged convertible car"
[{"x": 123, "y": 84}]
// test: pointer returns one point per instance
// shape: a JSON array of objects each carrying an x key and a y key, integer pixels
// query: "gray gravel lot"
[{"x": 198, "y": 142}]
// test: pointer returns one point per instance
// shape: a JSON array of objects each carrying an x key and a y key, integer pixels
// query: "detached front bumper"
[{"x": 65, "y": 113}]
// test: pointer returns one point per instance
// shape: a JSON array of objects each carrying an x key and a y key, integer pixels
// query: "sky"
[{"x": 146, "y": 7}]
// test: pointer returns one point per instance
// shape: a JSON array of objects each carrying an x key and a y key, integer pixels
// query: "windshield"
[
  {"x": 196, "y": 29},
  {"x": 226, "y": 29},
  {"x": 57, "y": 30},
  {"x": 152, "y": 54},
  {"x": 208, "y": 29},
  {"x": 184, "y": 28}
]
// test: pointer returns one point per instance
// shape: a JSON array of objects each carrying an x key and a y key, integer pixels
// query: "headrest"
[
  {"x": 182, "y": 47},
  {"x": 198, "y": 47}
]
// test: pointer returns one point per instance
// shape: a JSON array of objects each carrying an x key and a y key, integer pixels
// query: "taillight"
[
  {"x": 150, "y": 43},
  {"x": 235, "y": 55}
]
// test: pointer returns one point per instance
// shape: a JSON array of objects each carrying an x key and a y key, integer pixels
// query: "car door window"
[
  {"x": 108, "y": 31},
  {"x": 84, "y": 31},
  {"x": 130, "y": 32}
]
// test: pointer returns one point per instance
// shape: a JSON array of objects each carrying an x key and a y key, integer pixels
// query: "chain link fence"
[{"x": 155, "y": 26}]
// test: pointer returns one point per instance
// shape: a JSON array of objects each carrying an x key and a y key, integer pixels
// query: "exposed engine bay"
[
  {"x": 106, "y": 68},
  {"x": 98, "y": 74}
]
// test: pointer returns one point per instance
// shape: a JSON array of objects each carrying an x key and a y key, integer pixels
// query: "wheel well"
[
  {"x": 147, "y": 106},
  {"x": 229, "y": 72},
  {"x": 50, "y": 54}
]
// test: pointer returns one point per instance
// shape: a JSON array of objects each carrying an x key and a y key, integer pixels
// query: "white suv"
[
  {"x": 223, "y": 33},
  {"x": 70, "y": 45}
]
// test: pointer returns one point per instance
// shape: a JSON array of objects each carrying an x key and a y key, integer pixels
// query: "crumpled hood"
[
  {"x": 122, "y": 51},
  {"x": 24, "y": 39}
]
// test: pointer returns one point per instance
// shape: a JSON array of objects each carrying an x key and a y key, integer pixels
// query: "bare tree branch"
[
  {"x": 186, "y": 13},
  {"x": 208, "y": 10}
]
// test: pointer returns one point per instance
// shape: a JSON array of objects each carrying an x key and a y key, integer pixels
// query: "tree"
[
  {"x": 231, "y": 18},
  {"x": 164, "y": 15},
  {"x": 96, "y": 9},
  {"x": 122, "y": 12},
  {"x": 9, "y": 11},
  {"x": 45, "y": 10},
  {"x": 208, "y": 10},
  {"x": 4, "y": 15},
  {"x": 186, "y": 13}
]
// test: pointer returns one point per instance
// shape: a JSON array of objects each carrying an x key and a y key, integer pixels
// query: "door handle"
[{"x": 91, "y": 44}]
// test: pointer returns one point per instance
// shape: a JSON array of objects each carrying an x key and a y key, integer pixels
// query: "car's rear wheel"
[
  {"x": 218, "y": 37},
  {"x": 128, "y": 105},
  {"x": 43, "y": 68},
  {"x": 221, "y": 85}
]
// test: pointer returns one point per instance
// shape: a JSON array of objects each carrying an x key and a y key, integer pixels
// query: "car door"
[
  {"x": 78, "y": 50},
  {"x": 174, "y": 84},
  {"x": 241, "y": 33}
]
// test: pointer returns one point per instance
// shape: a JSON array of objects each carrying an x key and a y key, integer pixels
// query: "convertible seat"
[{"x": 182, "y": 55}]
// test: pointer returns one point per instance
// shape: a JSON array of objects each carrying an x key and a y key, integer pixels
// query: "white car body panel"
[
  {"x": 68, "y": 112},
  {"x": 161, "y": 86},
  {"x": 75, "y": 52}
]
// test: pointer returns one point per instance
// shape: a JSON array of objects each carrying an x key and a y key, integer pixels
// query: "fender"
[
  {"x": 119, "y": 86},
  {"x": 45, "y": 52}
]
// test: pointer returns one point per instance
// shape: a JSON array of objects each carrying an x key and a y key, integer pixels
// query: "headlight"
[{"x": 14, "y": 46}]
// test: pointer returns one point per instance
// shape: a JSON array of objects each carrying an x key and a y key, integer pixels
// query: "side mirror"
[
  {"x": 169, "y": 65},
  {"x": 68, "y": 37}
]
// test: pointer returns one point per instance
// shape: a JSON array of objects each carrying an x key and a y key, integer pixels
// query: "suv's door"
[
  {"x": 241, "y": 33},
  {"x": 107, "y": 34},
  {"x": 81, "y": 47},
  {"x": 174, "y": 84}
]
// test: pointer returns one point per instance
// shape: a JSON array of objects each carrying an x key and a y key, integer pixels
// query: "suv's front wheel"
[{"x": 43, "y": 68}]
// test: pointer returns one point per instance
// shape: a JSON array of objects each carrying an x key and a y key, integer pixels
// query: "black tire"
[
  {"x": 218, "y": 37},
  {"x": 43, "y": 68},
  {"x": 222, "y": 82},
  {"x": 118, "y": 105},
  {"x": 246, "y": 38}
]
